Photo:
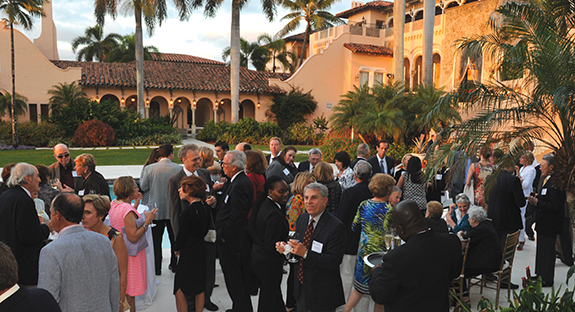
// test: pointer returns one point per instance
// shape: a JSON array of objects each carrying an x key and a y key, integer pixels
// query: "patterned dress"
[
  {"x": 479, "y": 176},
  {"x": 414, "y": 191},
  {"x": 294, "y": 207},
  {"x": 369, "y": 219}
]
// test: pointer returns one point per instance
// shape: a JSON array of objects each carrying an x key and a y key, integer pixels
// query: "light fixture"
[
  {"x": 194, "y": 103},
  {"x": 216, "y": 102},
  {"x": 222, "y": 102},
  {"x": 259, "y": 105},
  {"x": 123, "y": 101},
  {"x": 148, "y": 101},
  {"x": 171, "y": 102},
  {"x": 179, "y": 100},
  {"x": 97, "y": 99},
  {"x": 133, "y": 99}
]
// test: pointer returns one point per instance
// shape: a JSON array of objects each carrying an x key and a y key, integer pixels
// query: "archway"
[
  {"x": 417, "y": 71},
  {"x": 418, "y": 15},
  {"x": 406, "y": 72},
  {"x": 110, "y": 97},
  {"x": 390, "y": 23},
  {"x": 436, "y": 69},
  {"x": 247, "y": 109},
  {"x": 182, "y": 105},
  {"x": 453, "y": 4},
  {"x": 225, "y": 110},
  {"x": 132, "y": 103},
  {"x": 158, "y": 106},
  {"x": 204, "y": 112}
]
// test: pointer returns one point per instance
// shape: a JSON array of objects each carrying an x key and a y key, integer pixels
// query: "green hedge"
[
  {"x": 30, "y": 133},
  {"x": 246, "y": 130}
]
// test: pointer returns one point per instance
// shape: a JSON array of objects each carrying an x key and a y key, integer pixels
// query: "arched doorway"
[
  {"x": 225, "y": 110},
  {"x": 417, "y": 71},
  {"x": 204, "y": 112},
  {"x": 112, "y": 98},
  {"x": 436, "y": 69},
  {"x": 132, "y": 103},
  {"x": 158, "y": 106},
  {"x": 247, "y": 109},
  {"x": 181, "y": 106},
  {"x": 406, "y": 72}
]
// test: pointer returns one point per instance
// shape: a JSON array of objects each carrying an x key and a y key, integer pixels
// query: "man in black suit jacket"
[
  {"x": 408, "y": 278},
  {"x": 231, "y": 225},
  {"x": 318, "y": 283},
  {"x": 505, "y": 201},
  {"x": 275, "y": 149},
  {"x": 313, "y": 158},
  {"x": 20, "y": 298},
  {"x": 350, "y": 200},
  {"x": 190, "y": 156},
  {"x": 380, "y": 163},
  {"x": 550, "y": 203},
  {"x": 362, "y": 154},
  {"x": 20, "y": 227}
]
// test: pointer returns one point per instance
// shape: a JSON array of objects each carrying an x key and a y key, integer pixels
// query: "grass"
[{"x": 104, "y": 157}]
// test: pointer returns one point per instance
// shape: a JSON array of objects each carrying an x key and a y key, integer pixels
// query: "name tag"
[
  {"x": 207, "y": 188},
  {"x": 544, "y": 191},
  {"x": 316, "y": 246},
  {"x": 439, "y": 177},
  {"x": 75, "y": 174},
  {"x": 81, "y": 193},
  {"x": 226, "y": 200},
  {"x": 286, "y": 171}
]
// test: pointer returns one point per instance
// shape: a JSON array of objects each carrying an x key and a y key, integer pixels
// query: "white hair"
[{"x": 20, "y": 172}]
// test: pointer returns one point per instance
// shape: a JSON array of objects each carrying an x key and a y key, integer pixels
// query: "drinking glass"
[{"x": 291, "y": 257}]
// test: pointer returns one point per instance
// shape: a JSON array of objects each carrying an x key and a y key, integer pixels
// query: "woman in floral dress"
[{"x": 480, "y": 171}]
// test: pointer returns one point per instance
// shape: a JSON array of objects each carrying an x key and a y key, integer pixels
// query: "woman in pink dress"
[
  {"x": 479, "y": 171},
  {"x": 123, "y": 214}
]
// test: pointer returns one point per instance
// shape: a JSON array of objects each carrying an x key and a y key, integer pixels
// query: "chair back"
[
  {"x": 465, "y": 242},
  {"x": 509, "y": 249}
]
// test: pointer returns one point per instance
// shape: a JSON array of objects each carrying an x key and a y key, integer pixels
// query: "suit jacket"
[
  {"x": 95, "y": 184},
  {"x": 21, "y": 230},
  {"x": 350, "y": 200},
  {"x": 80, "y": 270},
  {"x": 505, "y": 201},
  {"x": 56, "y": 174},
  {"x": 30, "y": 300},
  {"x": 355, "y": 161},
  {"x": 277, "y": 169},
  {"x": 437, "y": 224},
  {"x": 303, "y": 166},
  {"x": 270, "y": 226},
  {"x": 390, "y": 162},
  {"x": 409, "y": 278},
  {"x": 485, "y": 248},
  {"x": 231, "y": 220},
  {"x": 175, "y": 204},
  {"x": 322, "y": 284},
  {"x": 550, "y": 209},
  {"x": 154, "y": 181},
  {"x": 269, "y": 156}
]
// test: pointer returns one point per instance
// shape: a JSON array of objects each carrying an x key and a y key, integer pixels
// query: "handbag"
[
  {"x": 211, "y": 235},
  {"x": 135, "y": 248}
]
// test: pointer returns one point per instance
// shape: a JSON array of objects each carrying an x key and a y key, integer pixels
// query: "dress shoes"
[
  {"x": 210, "y": 306},
  {"x": 543, "y": 284},
  {"x": 158, "y": 272}
]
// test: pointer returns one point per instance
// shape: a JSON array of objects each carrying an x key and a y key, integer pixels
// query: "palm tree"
[
  {"x": 20, "y": 106},
  {"x": 348, "y": 112},
  {"x": 124, "y": 52},
  {"x": 154, "y": 12},
  {"x": 95, "y": 45},
  {"x": 250, "y": 52},
  {"x": 18, "y": 12},
  {"x": 275, "y": 46},
  {"x": 313, "y": 13},
  {"x": 65, "y": 94},
  {"x": 385, "y": 117}
]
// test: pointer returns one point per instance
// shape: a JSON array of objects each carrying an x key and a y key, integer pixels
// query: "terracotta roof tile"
[
  {"x": 368, "y": 49},
  {"x": 183, "y": 58},
  {"x": 365, "y": 7},
  {"x": 172, "y": 75}
]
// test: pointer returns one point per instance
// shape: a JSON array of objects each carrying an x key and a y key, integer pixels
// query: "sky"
[{"x": 199, "y": 36}]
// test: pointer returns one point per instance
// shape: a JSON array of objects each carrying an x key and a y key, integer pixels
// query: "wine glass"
[
  {"x": 291, "y": 257},
  {"x": 388, "y": 239}
]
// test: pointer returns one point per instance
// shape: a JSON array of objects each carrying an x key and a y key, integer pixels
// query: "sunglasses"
[{"x": 63, "y": 155}]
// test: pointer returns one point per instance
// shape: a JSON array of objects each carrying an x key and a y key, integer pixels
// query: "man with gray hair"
[
  {"x": 350, "y": 200},
  {"x": 20, "y": 227},
  {"x": 320, "y": 247},
  {"x": 362, "y": 154},
  {"x": 314, "y": 157},
  {"x": 231, "y": 224}
]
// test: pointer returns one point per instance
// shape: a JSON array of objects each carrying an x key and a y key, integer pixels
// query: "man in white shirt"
[{"x": 275, "y": 149}]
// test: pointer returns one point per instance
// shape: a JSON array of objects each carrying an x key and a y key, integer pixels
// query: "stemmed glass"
[
  {"x": 388, "y": 239},
  {"x": 290, "y": 256}
]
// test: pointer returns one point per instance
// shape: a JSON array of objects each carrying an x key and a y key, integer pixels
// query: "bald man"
[
  {"x": 63, "y": 168},
  {"x": 416, "y": 275}
]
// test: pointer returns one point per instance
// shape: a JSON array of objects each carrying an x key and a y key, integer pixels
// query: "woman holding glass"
[{"x": 370, "y": 219}]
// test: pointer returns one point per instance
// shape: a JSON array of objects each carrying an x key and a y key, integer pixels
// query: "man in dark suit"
[
  {"x": 18, "y": 298},
  {"x": 190, "y": 156},
  {"x": 313, "y": 158},
  {"x": 275, "y": 149},
  {"x": 550, "y": 203},
  {"x": 350, "y": 200},
  {"x": 362, "y": 154},
  {"x": 380, "y": 163},
  {"x": 320, "y": 248},
  {"x": 408, "y": 278},
  {"x": 505, "y": 201},
  {"x": 231, "y": 224},
  {"x": 20, "y": 227}
]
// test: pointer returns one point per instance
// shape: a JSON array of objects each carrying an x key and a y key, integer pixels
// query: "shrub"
[
  {"x": 155, "y": 139},
  {"x": 292, "y": 107},
  {"x": 94, "y": 133},
  {"x": 30, "y": 133},
  {"x": 333, "y": 145},
  {"x": 269, "y": 129},
  {"x": 300, "y": 133},
  {"x": 213, "y": 131},
  {"x": 397, "y": 151}
]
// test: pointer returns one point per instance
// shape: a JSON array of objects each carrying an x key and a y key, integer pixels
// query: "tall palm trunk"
[
  {"x": 13, "y": 108},
  {"x": 139, "y": 61},
  {"x": 305, "y": 41},
  {"x": 235, "y": 60},
  {"x": 398, "y": 34},
  {"x": 428, "y": 25}
]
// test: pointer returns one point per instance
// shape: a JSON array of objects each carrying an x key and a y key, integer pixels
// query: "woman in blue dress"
[{"x": 370, "y": 219}]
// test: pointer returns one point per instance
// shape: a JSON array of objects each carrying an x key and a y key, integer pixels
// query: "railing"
[
  {"x": 356, "y": 30},
  {"x": 372, "y": 32}
]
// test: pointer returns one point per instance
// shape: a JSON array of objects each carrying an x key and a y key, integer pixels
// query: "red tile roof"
[
  {"x": 296, "y": 37},
  {"x": 183, "y": 58},
  {"x": 378, "y": 5},
  {"x": 171, "y": 75},
  {"x": 368, "y": 49}
]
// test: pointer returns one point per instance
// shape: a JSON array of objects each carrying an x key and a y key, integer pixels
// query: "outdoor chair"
[{"x": 458, "y": 282}]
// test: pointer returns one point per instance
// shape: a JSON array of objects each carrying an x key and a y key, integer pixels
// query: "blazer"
[
  {"x": 270, "y": 226},
  {"x": 438, "y": 225},
  {"x": 21, "y": 230},
  {"x": 390, "y": 162},
  {"x": 355, "y": 162},
  {"x": 277, "y": 169},
  {"x": 322, "y": 284},
  {"x": 80, "y": 270},
  {"x": 30, "y": 300},
  {"x": 269, "y": 156},
  {"x": 55, "y": 174},
  {"x": 232, "y": 217},
  {"x": 154, "y": 180},
  {"x": 350, "y": 200},
  {"x": 409, "y": 279},
  {"x": 303, "y": 166},
  {"x": 485, "y": 248},
  {"x": 175, "y": 204},
  {"x": 550, "y": 209},
  {"x": 95, "y": 183},
  {"x": 505, "y": 201}
]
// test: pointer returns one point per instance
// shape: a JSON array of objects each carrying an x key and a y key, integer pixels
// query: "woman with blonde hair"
[
  {"x": 206, "y": 157},
  {"x": 96, "y": 208},
  {"x": 323, "y": 173}
]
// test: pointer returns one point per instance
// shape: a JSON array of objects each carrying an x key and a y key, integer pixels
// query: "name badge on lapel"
[
  {"x": 226, "y": 200},
  {"x": 316, "y": 246},
  {"x": 81, "y": 193},
  {"x": 286, "y": 171},
  {"x": 544, "y": 191}
]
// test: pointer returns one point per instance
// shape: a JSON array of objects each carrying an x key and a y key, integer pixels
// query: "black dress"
[{"x": 191, "y": 270}]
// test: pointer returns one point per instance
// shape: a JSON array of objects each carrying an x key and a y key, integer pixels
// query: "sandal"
[{"x": 520, "y": 246}]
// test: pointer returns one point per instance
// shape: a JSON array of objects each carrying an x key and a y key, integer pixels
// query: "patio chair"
[{"x": 458, "y": 282}]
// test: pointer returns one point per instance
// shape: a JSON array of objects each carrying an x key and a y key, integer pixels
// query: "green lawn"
[{"x": 104, "y": 157}]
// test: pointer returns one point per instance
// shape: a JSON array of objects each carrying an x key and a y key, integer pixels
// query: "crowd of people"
[{"x": 257, "y": 214}]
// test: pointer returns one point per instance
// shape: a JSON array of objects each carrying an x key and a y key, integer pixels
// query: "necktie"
[
  {"x": 382, "y": 166},
  {"x": 306, "y": 239}
]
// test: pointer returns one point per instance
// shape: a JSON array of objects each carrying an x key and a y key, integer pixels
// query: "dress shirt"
[
  {"x": 25, "y": 190},
  {"x": 272, "y": 157},
  {"x": 189, "y": 173},
  {"x": 235, "y": 175},
  {"x": 280, "y": 207},
  {"x": 9, "y": 292},
  {"x": 382, "y": 162},
  {"x": 316, "y": 219}
]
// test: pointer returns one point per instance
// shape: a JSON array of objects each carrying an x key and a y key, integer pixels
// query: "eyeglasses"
[{"x": 63, "y": 156}]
